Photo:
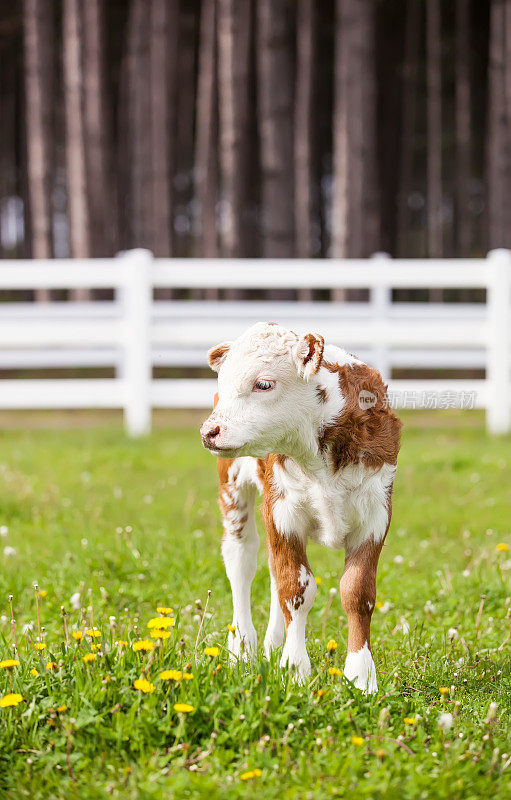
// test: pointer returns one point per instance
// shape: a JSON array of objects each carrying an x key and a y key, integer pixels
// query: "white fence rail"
[{"x": 134, "y": 333}]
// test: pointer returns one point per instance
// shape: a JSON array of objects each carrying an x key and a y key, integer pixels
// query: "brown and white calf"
[{"x": 309, "y": 426}]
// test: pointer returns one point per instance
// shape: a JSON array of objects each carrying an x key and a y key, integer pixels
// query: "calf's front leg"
[
  {"x": 240, "y": 544},
  {"x": 296, "y": 590},
  {"x": 358, "y": 597}
]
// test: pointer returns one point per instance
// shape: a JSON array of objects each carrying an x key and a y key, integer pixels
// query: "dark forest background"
[{"x": 274, "y": 128}]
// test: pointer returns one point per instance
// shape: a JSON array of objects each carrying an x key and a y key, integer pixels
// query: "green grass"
[{"x": 134, "y": 524}]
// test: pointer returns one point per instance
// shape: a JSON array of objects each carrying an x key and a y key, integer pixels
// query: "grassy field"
[{"x": 133, "y": 525}]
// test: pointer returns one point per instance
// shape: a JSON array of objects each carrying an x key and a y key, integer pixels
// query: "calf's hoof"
[
  {"x": 360, "y": 670},
  {"x": 297, "y": 661}
]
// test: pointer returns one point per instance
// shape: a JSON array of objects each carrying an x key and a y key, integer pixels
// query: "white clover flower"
[
  {"x": 398, "y": 559},
  {"x": 445, "y": 722},
  {"x": 4, "y": 530},
  {"x": 453, "y": 634},
  {"x": 27, "y": 627},
  {"x": 385, "y": 607},
  {"x": 74, "y": 601},
  {"x": 9, "y": 551},
  {"x": 402, "y": 626}
]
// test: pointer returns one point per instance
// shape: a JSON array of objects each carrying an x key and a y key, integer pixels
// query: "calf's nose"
[{"x": 209, "y": 433}]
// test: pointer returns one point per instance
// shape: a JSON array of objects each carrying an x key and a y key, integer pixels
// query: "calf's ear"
[
  {"x": 307, "y": 354},
  {"x": 216, "y": 356}
]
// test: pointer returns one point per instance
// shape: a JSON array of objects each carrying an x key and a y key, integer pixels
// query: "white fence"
[{"x": 134, "y": 333}]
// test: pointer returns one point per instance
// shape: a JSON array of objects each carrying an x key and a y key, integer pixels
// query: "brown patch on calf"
[
  {"x": 261, "y": 468},
  {"x": 367, "y": 435},
  {"x": 286, "y": 554}
]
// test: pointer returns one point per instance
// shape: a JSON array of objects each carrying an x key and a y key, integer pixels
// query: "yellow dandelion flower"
[
  {"x": 34, "y": 672},
  {"x": 252, "y": 773},
  {"x": 61, "y": 709},
  {"x": 161, "y": 622},
  {"x": 502, "y": 547},
  {"x": 187, "y": 676},
  {"x": 164, "y": 611},
  {"x": 231, "y": 628},
  {"x": 444, "y": 690},
  {"x": 379, "y": 604},
  {"x": 51, "y": 665},
  {"x": 409, "y": 720},
  {"x": 122, "y": 643},
  {"x": 143, "y": 644},
  {"x": 331, "y": 645},
  {"x": 357, "y": 741},
  {"x": 321, "y": 692},
  {"x": 9, "y": 662},
  {"x": 171, "y": 675},
  {"x": 77, "y": 636},
  {"x": 10, "y": 700},
  {"x": 183, "y": 708},
  {"x": 40, "y": 646},
  {"x": 88, "y": 657},
  {"x": 319, "y": 580},
  {"x": 380, "y": 753},
  {"x": 156, "y": 633},
  {"x": 93, "y": 633},
  {"x": 95, "y": 646},
  {"x": 334, "y": 671},
  {"x": 213, "y": 652},
  {"x": 144, "y": 685},
  {"x": 42, "y": 593}
]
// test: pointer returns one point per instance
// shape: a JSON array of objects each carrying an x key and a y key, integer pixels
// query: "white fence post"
[
  {"x": 381, "y": 300},
  {"x": 137, "y": 373},
  {"x": 499, "y": 332}
]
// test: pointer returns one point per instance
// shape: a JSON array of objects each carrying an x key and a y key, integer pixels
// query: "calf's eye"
[{"x": 263, "y": 385}]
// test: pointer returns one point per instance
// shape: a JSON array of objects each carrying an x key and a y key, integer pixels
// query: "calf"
[{"x": 309, "y": 426}]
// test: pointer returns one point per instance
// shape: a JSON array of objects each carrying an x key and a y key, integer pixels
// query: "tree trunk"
[
  {"x": 78, "y": 213},
  {"x": 411, "y": 55},
  {"x": 164, "y": 21},
  {"x": 303, "y": 141},
  {"x": 434, "y": 136},
  {"x": 499, "y": 128},
  {"x": 102, "y": 209},
  {"x": 233, "y": 74},
  {"x": 275, "y": 96},
  {"x": 37, "y": 32},
  {"x": 186, "y": 91},
  {"x": 206, "y": 159},
  {"x": 355, "y": 224},
  {"x": 463, "y": 129},
  {"x": 139, "y": 121}
]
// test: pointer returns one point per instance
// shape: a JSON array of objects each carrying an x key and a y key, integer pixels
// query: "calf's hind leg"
[
  {"x": 358, "y": 597},
  {"x": 240, "y": 544}
]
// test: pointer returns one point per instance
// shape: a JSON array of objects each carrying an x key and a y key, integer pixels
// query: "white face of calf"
[{"x": 267, "y": 400}]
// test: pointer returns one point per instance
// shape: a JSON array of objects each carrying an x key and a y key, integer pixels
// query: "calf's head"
[{"x": 267, "y": 398}]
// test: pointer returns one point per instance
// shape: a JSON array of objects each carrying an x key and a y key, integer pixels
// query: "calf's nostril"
[{"x": 213, "y": 432}]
